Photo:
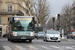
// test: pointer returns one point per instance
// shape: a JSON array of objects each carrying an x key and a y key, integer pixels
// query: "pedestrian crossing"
[
  {"x": 7, "y": 48},
  {"x": 33, "y": 47},
  {"x": 20, "y": 47},
  {"x": 69, "y": 48},
  {"x": 38, "y": 47},
  {"x": 55, "y": 47}
]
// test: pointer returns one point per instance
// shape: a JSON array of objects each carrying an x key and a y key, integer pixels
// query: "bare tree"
[
  {"x": 65, "y": 18},
  {"x": 28, "y": 5},
  {"x": 42, "y": 11}
]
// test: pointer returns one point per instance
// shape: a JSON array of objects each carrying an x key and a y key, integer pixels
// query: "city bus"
[{"x": 21, "y": 28}]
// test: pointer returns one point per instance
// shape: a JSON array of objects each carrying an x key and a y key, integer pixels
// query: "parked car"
[
  {"x": 71, "y": 35},
  {"x": 35, "y": 35},
  {"x": 40, "y": 35},
  {"x": 52, "y": 35}
]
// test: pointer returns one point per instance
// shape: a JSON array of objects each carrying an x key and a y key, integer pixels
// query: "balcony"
[{"x": 13, "y": 12}]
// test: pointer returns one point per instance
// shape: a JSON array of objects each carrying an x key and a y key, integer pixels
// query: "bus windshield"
[{"x": 23, "y": 25}]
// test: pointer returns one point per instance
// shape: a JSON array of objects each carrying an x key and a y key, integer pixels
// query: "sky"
[{"x": 57, "y": 5}]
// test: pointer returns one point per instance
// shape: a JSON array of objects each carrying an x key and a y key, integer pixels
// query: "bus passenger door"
[{"x": 0, "y": 31}]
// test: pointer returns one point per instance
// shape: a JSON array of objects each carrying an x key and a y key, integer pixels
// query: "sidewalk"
[
  {"x": 65, "y": 39},
  {"x": 3, "y": 39}
]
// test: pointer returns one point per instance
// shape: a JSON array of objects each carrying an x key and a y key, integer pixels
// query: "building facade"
[{"x": 10, "y": 8}]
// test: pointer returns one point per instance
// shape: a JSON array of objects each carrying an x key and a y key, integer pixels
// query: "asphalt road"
[{"x": 37, "y": 45}]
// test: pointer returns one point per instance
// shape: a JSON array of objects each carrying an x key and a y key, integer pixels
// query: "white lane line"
[
  {"x": 20, "y": 48},
  {"x": 45, "y": 47},
  {"x": 30, "y": 46},
  {"x": 69, "y": 47},
  {"x": 55, "y": 47},
  {"x": 7, "y": 48},
  {"x": 73, "y": 46}
]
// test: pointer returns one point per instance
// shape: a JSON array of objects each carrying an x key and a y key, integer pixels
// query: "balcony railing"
[{"x": 13, "y": 12}]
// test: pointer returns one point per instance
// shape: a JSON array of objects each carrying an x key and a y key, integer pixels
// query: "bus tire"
[
  {"x": 30, "y": 41},
  {"x": 8, "y": 39}
]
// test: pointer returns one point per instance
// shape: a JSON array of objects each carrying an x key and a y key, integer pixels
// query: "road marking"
[
  {"x": 69, "y": 47},
  {"x": 7, "y": 48},
  {"x": 45, "y": 47},
  {"x": 73, "y": 46},
  {"x": 20, "y": 48},
  {"x": 55, "y": 47},
  {"x": 32, "y": 47}
]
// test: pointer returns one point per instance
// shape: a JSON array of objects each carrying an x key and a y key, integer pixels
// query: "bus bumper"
[{"x": 21, "y": 37}]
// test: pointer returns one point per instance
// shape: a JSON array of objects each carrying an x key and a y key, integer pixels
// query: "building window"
[{"x": 9, "y": 8}]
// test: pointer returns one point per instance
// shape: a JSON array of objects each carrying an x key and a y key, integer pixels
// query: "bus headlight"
[
  {"x": 31, "y": 33},
  {"x": 14, "y": 33}
]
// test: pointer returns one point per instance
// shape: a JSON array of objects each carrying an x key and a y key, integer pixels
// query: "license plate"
[{"x": 23, "y": 38}]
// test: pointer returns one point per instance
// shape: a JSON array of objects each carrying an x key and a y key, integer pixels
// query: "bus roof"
[{"x": 24, "y": 16}]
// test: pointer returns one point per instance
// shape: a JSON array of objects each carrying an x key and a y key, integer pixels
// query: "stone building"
[{"x": 10, "y": 8}]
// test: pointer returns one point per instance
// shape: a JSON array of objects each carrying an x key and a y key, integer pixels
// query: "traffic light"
[
  {"x": 58, "y": 16},
  {"x": 53, "y": 19},
  {"x": 57, "y": 27}
]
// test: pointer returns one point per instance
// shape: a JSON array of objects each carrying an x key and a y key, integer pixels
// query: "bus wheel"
[
  {"x": 30, "y": 41},
  {"x": 8, "y": 39}
]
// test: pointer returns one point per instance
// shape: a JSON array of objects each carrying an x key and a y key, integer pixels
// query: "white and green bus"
[{"x": 21, "y": 28}]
